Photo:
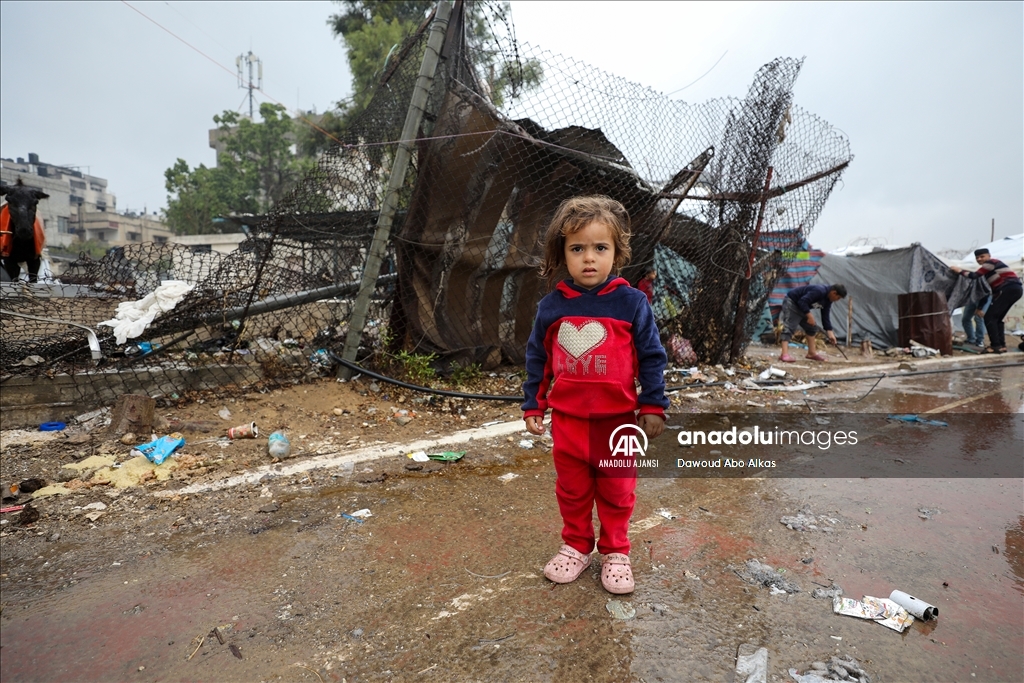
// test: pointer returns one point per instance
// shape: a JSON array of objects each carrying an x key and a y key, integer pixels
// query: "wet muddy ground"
[{"x": 443, "y": 582}]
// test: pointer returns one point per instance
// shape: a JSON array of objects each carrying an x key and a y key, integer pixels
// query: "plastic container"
[{"x": 279, "y": 445}]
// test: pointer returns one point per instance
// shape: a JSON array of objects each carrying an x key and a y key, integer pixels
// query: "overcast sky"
[{"x": 930, "y": 95}]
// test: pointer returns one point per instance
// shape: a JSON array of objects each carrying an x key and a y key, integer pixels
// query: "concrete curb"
[
  {"x": 330, "y": 460},
  {"x": 928, "y": 364}
]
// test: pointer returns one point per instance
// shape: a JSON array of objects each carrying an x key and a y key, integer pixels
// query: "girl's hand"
[
  {"x": 653, "y": 425},
  {"x": 535, "y": 424}
]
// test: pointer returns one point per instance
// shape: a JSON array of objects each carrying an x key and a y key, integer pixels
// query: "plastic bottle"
[{"x": 278, "y": 445}]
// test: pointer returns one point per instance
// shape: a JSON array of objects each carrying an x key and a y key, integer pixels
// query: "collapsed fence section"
[{"x": 717, "y": 192}]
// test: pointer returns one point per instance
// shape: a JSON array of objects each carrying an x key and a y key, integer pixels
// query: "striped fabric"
[{"x": 803, "y": 266}]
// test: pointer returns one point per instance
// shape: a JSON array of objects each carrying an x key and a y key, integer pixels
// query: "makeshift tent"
[
  {"x": 672, "y": 287},
  {"x": 874, "y": 281}
]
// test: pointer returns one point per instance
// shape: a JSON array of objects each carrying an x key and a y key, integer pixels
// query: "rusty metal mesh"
[{"x": 500, "y": 146}]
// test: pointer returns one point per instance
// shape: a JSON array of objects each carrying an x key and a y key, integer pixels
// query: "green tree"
[
  {"x": 255, "y": 170},
  {"x": 194, "y": 198},
  {"x": 259, "y": 158},
  {"x": 372, "y": 32}
]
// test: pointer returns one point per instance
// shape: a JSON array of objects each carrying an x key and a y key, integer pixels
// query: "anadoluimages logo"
[{"x": 627, "y": 445}]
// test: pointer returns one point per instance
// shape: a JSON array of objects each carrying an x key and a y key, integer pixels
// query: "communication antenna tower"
[{"x": 250, "y": 59}]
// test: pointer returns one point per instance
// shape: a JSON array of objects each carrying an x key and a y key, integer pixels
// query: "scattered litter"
[
  {"x": 235, "y": 651},
  {"x": 751, "y": 664},
  {"x": 844, "y": 668},
  {"x": 134, "y": 316},
  {"x": 95, "y": 506},
  {"x": 447, "y": 456},
  {"x": 836, "y": 591},
  {"x": 52, "y": 427},
  {"x": 758, "y": 573},
  {"x": 666, "y": 513},
  {"x": 917, "y": 419},
  {"x": 161, "y": 449},
  {"x": 921, "y": 351},
  {"x": 806, "y": 520},
  {"x": 490, "y": 424},
  {"x": 927, "y": 513},
  {"x": 690, "y": 575},
  {"x": 419, "y": 456},
  {"x": 620, "y": 610},
  {"x": 269, "y": 507},
  {"x": 224, "y": 413},
  {"x": 278, "y": 445},
  {"x": 526, "y": 443},
  {"x": 12, "y": 508},
  {"x": 93, "y": 516},
  {"x": 695, "y": 394},
  {"x": 755, "y": 405},
  {"x": 362, "y": 514},
  {"x": 885, "y": 612},
  {"x": 506, "y": 478},
  {"x": 772, "y": 371},
  {"x": 351, "y": 518},
  {"x": 919, "y": 608},
  {"x": 246, "y": 431}
]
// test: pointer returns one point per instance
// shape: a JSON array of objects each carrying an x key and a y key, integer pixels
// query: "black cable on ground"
[
  {"x": 415, "y": 387},
  {"x": 488, "y": 397}
]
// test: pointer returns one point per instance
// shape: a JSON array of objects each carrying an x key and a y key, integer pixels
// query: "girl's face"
[{"x": 590, "y": 254}]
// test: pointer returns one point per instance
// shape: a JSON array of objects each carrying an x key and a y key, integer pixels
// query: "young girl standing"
[{"x": 593, "y": 338}]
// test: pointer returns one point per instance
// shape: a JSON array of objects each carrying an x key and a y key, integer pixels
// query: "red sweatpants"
[{"x": 580, "y": 445}]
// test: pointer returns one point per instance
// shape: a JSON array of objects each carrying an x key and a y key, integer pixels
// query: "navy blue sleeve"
[
  {"x": 808, "y": 299},
  {"x": 536, "y": 365},
  {"x": 651, "y": 356}
]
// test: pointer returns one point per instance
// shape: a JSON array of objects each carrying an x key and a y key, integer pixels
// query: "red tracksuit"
[{"x": 587, "y": 349}]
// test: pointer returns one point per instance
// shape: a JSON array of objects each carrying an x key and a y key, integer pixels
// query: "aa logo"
[{"x": 627, "y": 444}]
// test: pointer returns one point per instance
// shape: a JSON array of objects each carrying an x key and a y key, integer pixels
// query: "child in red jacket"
[{"x": 593, "y": 338}]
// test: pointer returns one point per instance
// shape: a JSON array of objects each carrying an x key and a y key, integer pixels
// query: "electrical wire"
[
  {"x": 489, "y": 397},
  {"x": 415, "y": 387}
]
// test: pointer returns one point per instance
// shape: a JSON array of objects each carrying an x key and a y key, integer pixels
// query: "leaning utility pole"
[
  {"x": 250, "y": 59},
  {"x": 375, "y": 256}
]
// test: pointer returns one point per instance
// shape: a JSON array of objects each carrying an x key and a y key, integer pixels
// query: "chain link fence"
[{"x": 717, "y": 192}]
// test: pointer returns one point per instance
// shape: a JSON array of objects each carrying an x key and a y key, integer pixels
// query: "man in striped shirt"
[{"x": 1006, "y": 290}]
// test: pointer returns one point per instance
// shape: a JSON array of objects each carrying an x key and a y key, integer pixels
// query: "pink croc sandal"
[
  {"x": 616, "y": 574},
  {"x": 567, "y": 565},
  {"x": 817, "y": 356}
]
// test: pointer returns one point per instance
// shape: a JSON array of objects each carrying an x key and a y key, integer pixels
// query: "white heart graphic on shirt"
[{"x": 576, "y": 341}]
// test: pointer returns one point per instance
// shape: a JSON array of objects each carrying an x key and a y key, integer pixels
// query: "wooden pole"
[
  {"x": 375, "y": 257},
  {"x": 741, "y": 306}
]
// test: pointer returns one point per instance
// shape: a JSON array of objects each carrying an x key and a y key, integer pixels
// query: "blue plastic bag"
[{"x": 161, "y": 449}]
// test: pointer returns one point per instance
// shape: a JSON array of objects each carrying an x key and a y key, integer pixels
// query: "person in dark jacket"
[
  {"x": 796, "y": 311},
  {"x": 1006, "y": 291}
]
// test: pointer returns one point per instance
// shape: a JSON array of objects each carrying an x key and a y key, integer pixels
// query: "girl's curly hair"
[{"x": 573, "y": 215}]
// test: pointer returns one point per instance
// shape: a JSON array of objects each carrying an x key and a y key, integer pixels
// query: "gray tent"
[{"x": 875, "y": 280}]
